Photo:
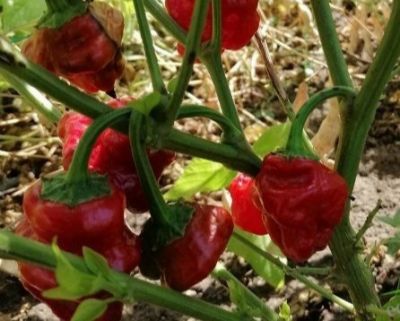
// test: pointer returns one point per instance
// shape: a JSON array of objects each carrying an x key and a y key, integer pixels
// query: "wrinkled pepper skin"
[
  {"x": 85, "y": 50},
  {"x": 303, "y": 201},
  {"x": 246, "y": 210},
  {"x": 112, "y": 155},
  {"x": 188, "y": 260},
  {"x": 37, "y": 279},
  {"x": 240, "y": 20},
  {"x": 96, "y": 221}
]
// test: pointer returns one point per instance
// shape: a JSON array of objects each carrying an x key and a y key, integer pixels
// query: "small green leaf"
[
  {"x": 95, "y": 262},
  {"x": 145, "y": 104},
  {"x": 89, "y": 310},
  {"x": 284, "y": 312},
  {"x": 60, "y": 294},
  {"x": 392, "y": 308},
  {"x": 72, "y": 280},
  {"x": 272, "y": 139},
  {"x": 268, "y": 271},
  {"x": 200, "y": 176},
  {"x": 172, "y": 84}
]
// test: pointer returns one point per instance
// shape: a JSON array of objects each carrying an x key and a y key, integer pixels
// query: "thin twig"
[{"x": 368, "y": 222}]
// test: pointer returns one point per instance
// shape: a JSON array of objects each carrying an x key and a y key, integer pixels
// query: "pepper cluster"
[{"x": 86, "y": 50}]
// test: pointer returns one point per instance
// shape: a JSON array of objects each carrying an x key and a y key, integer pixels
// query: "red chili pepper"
[
  {"x": 85, "y": 50},
  {"x": 119, "y": 165},
  {"x": 240, "y": 20},
  {"x": 188, "y": 260},
  {"x": 122, "y": 255},
  {"x": 97, "y": 221},
  {"x": 303, "y": 202},
  {"x": 246, "y": 210}
]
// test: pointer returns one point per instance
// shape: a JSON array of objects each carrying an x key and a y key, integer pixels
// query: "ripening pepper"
[
  {"x": 189, "y": 259},
  {"x": 122, "y": 254},
  {"x": 303, "y": 201},
  {"x": 112, "y": 155},
  {"x": 240, "y": 20},
  {"x": 86, "y": 50},
  {"x": 246, "y": 210}
]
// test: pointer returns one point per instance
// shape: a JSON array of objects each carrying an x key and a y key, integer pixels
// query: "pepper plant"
[{"x": 73, "y": 222}]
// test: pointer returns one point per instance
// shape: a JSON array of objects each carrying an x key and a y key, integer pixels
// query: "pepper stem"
[{"x": 296, "y": 145}]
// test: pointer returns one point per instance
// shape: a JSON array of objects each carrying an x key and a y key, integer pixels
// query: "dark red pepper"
[
  {"x": 246, "y": 210},
  {"x": 86, "y": 50},
  {"x": 240, "y": 20},
  {"x": 303, "y": 201},
  {"x": 189, "y": 259}
]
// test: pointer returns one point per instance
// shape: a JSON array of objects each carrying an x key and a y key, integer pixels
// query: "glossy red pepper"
[
  {"x": 303, "y": 201},
  {"x": 240, "y": 20},
  {"x": 94, "y": 222},
  {"x": 246, "y": 210},
  {"x": 85, "y": 50},
  {"x": 189, "y": 259},
  {"x": 123, "y": 255},
  {"x": 119, "y": 165}
]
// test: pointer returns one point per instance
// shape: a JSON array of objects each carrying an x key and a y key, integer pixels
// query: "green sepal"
[
  {"x": 57, "y": 19},
  {"x": 157, "y": 235},
  {"x": 89, "y": 310},
  {"x": 95, "y": 262},
  {"x": 58, "y": 189}
]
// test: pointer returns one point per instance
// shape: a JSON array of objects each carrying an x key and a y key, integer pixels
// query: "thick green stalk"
[
  {"x": 191, "y": 51},
  {"x": 151, "y": 58},
  {"x": 357, "y": 121},
  {"x": 237, "y": 159},
  {"x": 38, "y": 101},
  {"x": 19, "y": 248}
]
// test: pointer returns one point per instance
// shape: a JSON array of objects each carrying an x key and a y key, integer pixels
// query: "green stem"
[
  {"x": 34, "y": 97},
  {"x": 330, "y": 43},
  {"x": 295, "y": 145},
  {"x": 192, "y": 48},
  {"x": 158, "y": 208},
  {"x": 237, "y": 159},
  {"x": 212, "y": 60},
  {"x": 12, "y": 246},
  {"x": 295, "y": 274},
  {"x": 151, "y": 58},
  {"x": 356, "y": 274},
  {"x": 79, "y": 172},
  {"x": 220, "y": 272},
  {"x": 158, "y": 12}
]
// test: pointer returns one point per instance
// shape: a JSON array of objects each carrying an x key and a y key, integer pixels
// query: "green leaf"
[
  {"x": 272, "y": 139},
  {"x": 171, "y": 86},
  {"x": 73, "y": 281},
  {"x": 200, "y": 176},
  {"x": 95, "y": 262},
  {"x": 89, "y": 310},
  {"x": 60, "y": 293},
  {"x": 268, "y": 271},
  {"x": 146, "y": 104},
  {"x": 284, "y": 312},
  {"x": 393, "y": 243},
  {"x": 20, "y": 15}
]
